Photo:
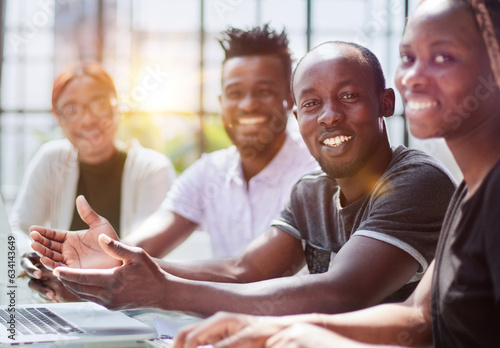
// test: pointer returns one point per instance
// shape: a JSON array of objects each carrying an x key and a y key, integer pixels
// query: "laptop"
[
  {"x": 69, "y": 323},
  {"x": 61, "y": 323}
]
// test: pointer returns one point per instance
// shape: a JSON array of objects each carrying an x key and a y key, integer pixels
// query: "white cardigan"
[{"x": 48, "y": 190}]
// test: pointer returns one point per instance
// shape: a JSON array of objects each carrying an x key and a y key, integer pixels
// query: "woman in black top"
[{"x": 124, "y": 182}]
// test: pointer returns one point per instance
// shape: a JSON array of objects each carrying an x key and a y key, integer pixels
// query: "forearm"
[
  {"x": 273, "y": 254},
  {"x": 289, "y": 295},
  {"x": 389, "y": 324},
  {"x": 223, "y": 271},
  {"x": 154, "y": 244}
]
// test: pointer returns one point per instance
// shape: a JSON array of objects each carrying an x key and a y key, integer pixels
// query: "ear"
[
  {"x": 288, "y": 102},
  {"x": 58, "y": 119},
  {"x": 387, "y": 102}
]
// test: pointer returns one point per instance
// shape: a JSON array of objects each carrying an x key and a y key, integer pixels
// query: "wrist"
[
  {"x": 317, "y": 319},
  {"x": 164, "y": 293}
]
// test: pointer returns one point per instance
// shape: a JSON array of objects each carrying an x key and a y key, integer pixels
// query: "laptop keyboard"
[{"x": 38, "y": 321}]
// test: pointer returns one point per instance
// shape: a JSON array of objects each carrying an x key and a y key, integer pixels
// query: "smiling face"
[
  {"x": 444, "y": 76},
  {"x": 255, "y": 103},
  {"x": 339, "y": 109},
  {"x": 92, "y": 135}
]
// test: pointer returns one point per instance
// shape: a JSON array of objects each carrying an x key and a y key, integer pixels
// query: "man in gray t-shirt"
[
  {"x": 379, "y": 209},
  {"x": 396, "y": 211}
]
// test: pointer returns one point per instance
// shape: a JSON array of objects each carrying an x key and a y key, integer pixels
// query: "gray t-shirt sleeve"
[
  {"x": 407, "y": 209},
  {"x": 307, "y": 212},
  {"x": 286, "y": 221}
]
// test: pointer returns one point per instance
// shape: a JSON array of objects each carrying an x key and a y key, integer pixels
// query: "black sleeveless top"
[{"x": 101, "y": 185}]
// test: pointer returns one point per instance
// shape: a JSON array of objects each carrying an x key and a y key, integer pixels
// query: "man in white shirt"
[{"x": 235, "y": 193}]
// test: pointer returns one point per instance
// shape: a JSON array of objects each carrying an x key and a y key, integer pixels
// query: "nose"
[
  {"x": 415, "y": 76},
  {"x": 248, "y": 103},
  {"x": 330, "y": 115},
  {"x": 88, "y": 117}
]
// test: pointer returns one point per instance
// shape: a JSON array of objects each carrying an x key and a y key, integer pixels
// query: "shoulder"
[
  {"x": 211, "y": 166},
  {"x": 417, "y": 166},
  {"x": 56, "y": 147},
  {"x": 412, "y": 178},
  {"x": 146, "y": 157},
  {"x": 314, "y": 183},
  {"x": 492, "y": 180},
  {"x": 489, "y": 191},
  {"x": 54, "y": 157},
  {"x": 314, "y": 178},
  {"x": 483, "y": 210},
  {"x": 220, "y": 159},
  {"x": 55, "y": 151}
]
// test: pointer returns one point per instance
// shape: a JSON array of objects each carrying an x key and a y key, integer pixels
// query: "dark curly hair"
[{"x": 256, "y": 42}]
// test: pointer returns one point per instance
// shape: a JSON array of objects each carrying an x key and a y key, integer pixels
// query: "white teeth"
[
  {"x": 249, "y": 121},
  {"x": 337, "y": 141},
  {"x": 414, "y": 105}
]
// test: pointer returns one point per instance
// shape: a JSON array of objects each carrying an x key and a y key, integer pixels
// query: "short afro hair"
[{"x": 257, "y": 41}]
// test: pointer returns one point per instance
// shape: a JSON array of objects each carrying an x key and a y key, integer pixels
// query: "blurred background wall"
[{"x": 165, "y": 59}]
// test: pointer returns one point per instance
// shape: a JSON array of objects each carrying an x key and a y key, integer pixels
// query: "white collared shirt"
[{"x": 213, "y": 193}]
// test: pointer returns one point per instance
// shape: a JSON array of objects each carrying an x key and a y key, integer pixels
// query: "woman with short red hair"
[{"x": 125, "y": 183}]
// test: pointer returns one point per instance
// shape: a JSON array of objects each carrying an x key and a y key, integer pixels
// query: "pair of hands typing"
[{"x": 231, "y": 330}]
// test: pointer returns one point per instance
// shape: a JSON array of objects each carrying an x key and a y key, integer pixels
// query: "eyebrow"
[
  {"x": 306, "y": 91},
  {"x": 338, "y": 85},
  {"x": 442, "y": 42},
  {"x": 346, "y": 83}
]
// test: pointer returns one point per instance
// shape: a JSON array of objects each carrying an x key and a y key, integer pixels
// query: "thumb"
[
  {"x": 119, "y": 250},
  {"x": 88, "y": 214}
]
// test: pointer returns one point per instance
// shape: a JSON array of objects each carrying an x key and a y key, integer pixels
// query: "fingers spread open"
[
  {"x": 55, "y": 235},
  {"x": 45, "y": 252},
  {"x": 46, "y": 242}
]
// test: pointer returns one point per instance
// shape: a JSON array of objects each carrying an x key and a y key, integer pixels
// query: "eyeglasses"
[{"x": 101, "y": 107}]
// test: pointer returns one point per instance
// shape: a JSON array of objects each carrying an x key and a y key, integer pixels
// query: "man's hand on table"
[
  {"x": 137, "y": 282},
  {"x": 43, "y": 281},
  {"x": 95, "y": 267}
]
